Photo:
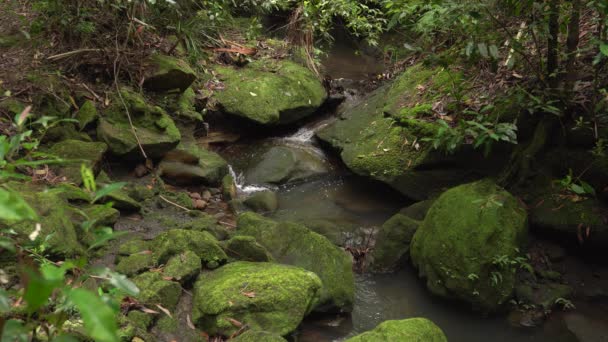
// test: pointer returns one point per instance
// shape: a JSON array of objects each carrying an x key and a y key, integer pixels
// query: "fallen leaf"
[
  {"x": 249, "y": 294},
  {"x": 149, "y": 311},
  {"x": 253, "y": 94}
]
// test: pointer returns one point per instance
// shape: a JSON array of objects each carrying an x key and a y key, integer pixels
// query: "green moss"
[
  {"x": 140, "y": 319},
  {"x": 410, "y": 330},
  {"x": 245, "y": 248},
  {"x": 156, "y": 290},
  {"x": 393, "y": 242},
  {"x": 183, "y": 267},
  {"x": 418, "y": 210},
  {"x": 418, "y": 111},
  {"x": 258, "y": 336},
  {"x": 200, "y": 222},
  {"x": 77, "y": 152},
  {"x": 102, "y": 215},
  {"x": 168, "y": 73},
  {"x": 135, "y": 264},
  {"x": 294, "y": 244},
  {"x": 133, "y": 246},
  {"x": 262, "y": 201},
  {"x": 542, "y": 295},
  {"x": 66, "y": 131},
  {"x": 228, "y": 187},
  {"x": 175, "y": 241},
  {"x": 191, "y": 164},
  {"x": 267, "y": 297},
  {"x": 270, "y": 92},
  {"x": 156, "y": 131},
  {"x": 12, "y": 106},
  {"x": 167, "y": 324},
  {"x": 139, "y": 192},
  {"x": 465, "y": 232}
]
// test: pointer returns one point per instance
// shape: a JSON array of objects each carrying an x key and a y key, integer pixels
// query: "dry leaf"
[
  {"x": 189, "y": 323},
  {"x": 148, "y": 311},
  {"x": 249, "y": 294}
]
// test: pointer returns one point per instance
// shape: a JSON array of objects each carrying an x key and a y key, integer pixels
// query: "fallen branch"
[
  {"x": 71, "y": 53},
  {"x": 173, "y": 203}
]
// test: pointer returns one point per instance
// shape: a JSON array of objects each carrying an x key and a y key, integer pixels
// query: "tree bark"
[
  {"x": 572, "y": 46},
  {"x": 553, "y": 44}
]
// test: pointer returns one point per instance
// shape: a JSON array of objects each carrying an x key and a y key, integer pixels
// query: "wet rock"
[
  {"x": 228, "y": 187},
  {"x": 168, "y": 73},
  {"x": 393, "y": 242},
  {"x": 183, "y": 267},
  {"x": 270, "y": 92},
  {"x": 195, "y": 220},
  {"x": 135, "y": 264},
  {"x": 294, "y": 244},
  {"x": 190, "y": 164},
  {"x": 120, "y": 198},
  {"x": 264, "y": 296},
  {"x": 79, "y": 152},
  {"x": 460, "y": 243},
  {"x": 262, "y": 202},
  {"x": 66, "y": 131},
  {"x": 155, "y": 129},
  {"x": 542, "y": 295},
  {"x": 413, "y": 329},
  {"x": 133, "y": 246},
  {"x": 283, "y": 164},
  {"x": 418, "y": 210},
  {"x": 258, "y": 336},
  {"x": 87, "y": 114},
  {"x": 153, "y": 289},
  {"x": 175, "y": 241},
  {"x": 245, "y": 248},
  {"x": 587, "y": 329},
  {"x": 339, "y": 233}
]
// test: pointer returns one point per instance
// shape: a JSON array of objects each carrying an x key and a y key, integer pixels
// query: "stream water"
[{"x": 355, "y": 204}]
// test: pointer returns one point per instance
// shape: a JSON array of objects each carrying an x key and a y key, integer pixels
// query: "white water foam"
[{"x": 241, "y": 187}]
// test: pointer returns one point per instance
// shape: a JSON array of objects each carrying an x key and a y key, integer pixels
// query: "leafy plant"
[
  {"x": 566, "y": 304},
  {"x": 576, "y": 186}
]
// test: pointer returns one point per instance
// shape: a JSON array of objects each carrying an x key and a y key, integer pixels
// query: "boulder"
[
  {"x": 245, "y": 248},
  {"x": 467, "y": 245},
  {"x": 269, "y": 92},
  {"x": 166, "y": 73},
  {"x": 293, "y": 244},
  {"x": 393, "y": 243},
  {"x": 258, "y": 336},
  {"x": 383, "y": 137},
  {"x": 135, "y": 264},
  {"x": 87, "y": 114},
  {"x": 154, "y": 289},
  {"x": 542, "y": 295},
  {"x": 262, "y": 201},
  {"x": 407, "y": 330},
  {"x": 176, "y": 241},
  {"x": 183, "y": 267},
  {"x": 156, "y": 131},
  {"x": 78, "y": 152},
  {"x": 282, "y": 164},
  {"x": 191, "y": 164},
  {"x": 264, "y": 296}
]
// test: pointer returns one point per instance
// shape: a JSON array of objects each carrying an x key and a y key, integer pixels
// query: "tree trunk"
[
  {"x": 572, "y": 46},
  {"x": 553, "y": 44}
]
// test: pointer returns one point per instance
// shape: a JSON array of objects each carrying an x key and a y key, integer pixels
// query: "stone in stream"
[
  {"x": 263, "y": 296},
  {"x": 154, "y": 289},
  {"x": 383, "y": 137},
  {"x": 393, "y": 243},
  {"x": 543, "y": 295},
  {"x": 407, "y": 330},
  {"x": 294, "y": 244},
  {"x": 262, "y": 201},
  {"x": 467, "y": 244},
  {"x": 191, "y": 164},
  {"x": 166, "y": 73},
  {"x": 77, "y": 153},
  {"x": 269, "y": 91},
  {"x": 258, "y": 336},
  {"x": 155, "y": 129},
  {"x": 282, "y": 164}
]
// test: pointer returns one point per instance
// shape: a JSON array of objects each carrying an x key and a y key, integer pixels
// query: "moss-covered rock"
[
  {"x": 264, "y": 296},
  {"x": 258, "y": 336},
  {"x": 284, "y": 164},
  {"x": 467, "y": 243},
  {"x": 78, "y": 152},
  {"x": 229, "y": 187},
  {"x": 270, "y": 92},
  {"x": 542, "y": 295},
  {"x": 393, "y": 243},
  {"x": 135, "y": 264},
  {"x": 156, "y": 131},
  {"x": 166, "y": 73},
  {"x": 102, "y": 215},
  {"x": 66, "y": 131},
  {"x": 181, "y": 106},
  {"x": 418, "y": 210},
  {"x": 183, "y": 267},
  {"x": 294, "y": 244},
  {"x": 133, "y": 246},
  {"x": 191, "y": 164},
  {"x": 410, "y": 330},
  {"x": 195, "y": 220},
  {"x": 140, "y": 319},
  {"x": 176, "y": 241},
  {"x": 87, "y": 114},
  {"x": 262, "y": 201},
  {"x": 383, "y": 137},
  {"x": 120, "y": 197},
  {"x": 154, "y": 289},
  {"x": 245, "y": 248}
]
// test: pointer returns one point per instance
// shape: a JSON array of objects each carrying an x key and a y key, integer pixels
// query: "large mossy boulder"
[
  {"x": 77, "y": 153},
  {"x": 383, "y": 137},
  {"x": 393, "y": 243},
  {"x": 269, "y": 92},
  {"x": 166, "y": 73},
  {"x": 155, "y": 129},
  {"x": 258, "y": 336},
  {"x": 154, "y": 289},
  {"x": 467, "y": 244},
  {"x": 191, "y": 164},
  {"x": 282, "y": 164},
  {"x": 407, "y": 330},
  {"x": 176, "y": 241},
  {"x": 263, "y": 296},
  {"x": 293, "y": 244}
]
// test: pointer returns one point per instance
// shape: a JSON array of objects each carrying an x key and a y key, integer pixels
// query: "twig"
[
  {"x": 97, "y": 97},
  {"x": 228, "y": 224},
  {"x": 173, "y": 203},
  {"x": 71, "y": 53}
]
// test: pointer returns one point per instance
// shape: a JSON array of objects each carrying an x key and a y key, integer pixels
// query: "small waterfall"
[{"x": 239, "y": 181}]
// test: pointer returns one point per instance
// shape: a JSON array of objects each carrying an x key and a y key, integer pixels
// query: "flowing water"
[{"x": 353, "y": 205}]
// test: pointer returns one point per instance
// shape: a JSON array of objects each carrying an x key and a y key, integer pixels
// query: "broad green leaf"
[
  {"x": 577, "y": 189},
  {"x": 120, "y": 281},
  {"x": 108, "y": 189},
  {"x": 41, "y": 286},
  {"x": 604, "y": 49},
  {"x": 65, "y": 338},
  {"x": 104, "y": 235},
  {"x": 99, "y": 319},
  {"x": 5, "y": 303},
  {"x": 14, "y": 331},
  {"x": 14, "y": 208}
]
